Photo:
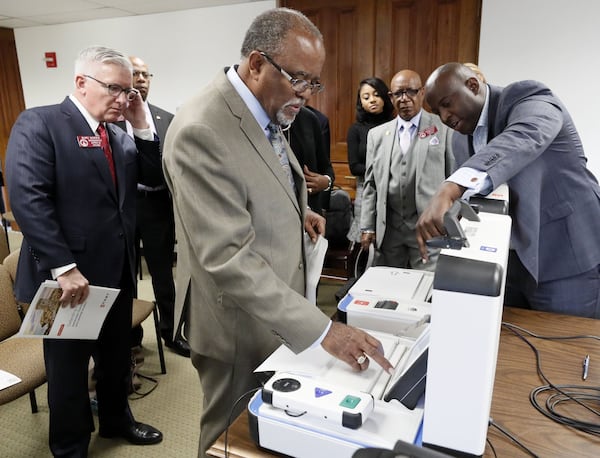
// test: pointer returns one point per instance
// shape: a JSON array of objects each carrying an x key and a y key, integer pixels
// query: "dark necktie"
[
  {"x": 107, "y": 152},
  {"x": 276, "y": 139}
]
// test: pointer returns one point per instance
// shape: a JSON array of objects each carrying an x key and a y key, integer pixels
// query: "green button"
[{"x": 350, "y": 402}]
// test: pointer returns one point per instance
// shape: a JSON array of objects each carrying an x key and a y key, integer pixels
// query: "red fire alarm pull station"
[{"x": 50, "y": 58}]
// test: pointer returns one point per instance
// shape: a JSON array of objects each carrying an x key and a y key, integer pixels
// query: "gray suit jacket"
[
  {"x": 240, "y": 264},
  {"x": 533, "y": 146},
  {"x": 435, "y": 162}
]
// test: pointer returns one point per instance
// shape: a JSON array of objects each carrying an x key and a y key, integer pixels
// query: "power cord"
[
  {"x": 560, "y": 394},
  {"x": 511, "y": 437},
  {"x": 230, "y": 420}
]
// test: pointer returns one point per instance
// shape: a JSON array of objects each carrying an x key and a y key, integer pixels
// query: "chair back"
[
  {"x": 4, "y": 249},
  {"x": 10, "y": 262},
  {"x": 10, "y": 322}
]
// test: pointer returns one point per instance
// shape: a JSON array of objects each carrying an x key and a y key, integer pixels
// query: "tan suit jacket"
[
  {"x": 240, "y": 230},
  {"x": 434, "y": 163}
]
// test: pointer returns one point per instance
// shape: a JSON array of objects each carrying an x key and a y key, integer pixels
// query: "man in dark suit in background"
[
  {"x": 307, "y": 140},
  {"x": 523, "y": 135},
  {"x": 155, "y": 224},
  {"x": 73, "y": 195}
]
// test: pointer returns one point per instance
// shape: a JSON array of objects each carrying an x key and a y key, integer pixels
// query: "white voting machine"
[
  {"x": 389, "y": 299},
  {"x": 284, "y": 431}
]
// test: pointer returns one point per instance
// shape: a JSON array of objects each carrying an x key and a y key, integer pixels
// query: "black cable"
[
  {"x": 511, "y": 437},
  {"x": 252, "y": 391},
  {"x": 491, "y": 447},
  {"x": 512, "y": 327},
  {"x": 563, "y": 393}
]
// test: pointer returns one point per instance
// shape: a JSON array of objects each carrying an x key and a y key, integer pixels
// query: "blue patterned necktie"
[{"x": 276, "y": 139}]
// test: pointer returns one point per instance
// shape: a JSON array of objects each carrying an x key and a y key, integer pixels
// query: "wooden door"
[
  {"x": 378, "y": 38},
  {"x": 11, "y": 91}
]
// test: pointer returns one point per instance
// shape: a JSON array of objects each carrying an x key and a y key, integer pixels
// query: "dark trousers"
[
  {"x": 156, "y": 229},
  {"x": 71, "y": 421},
  {"x": 576, "y": 295}
]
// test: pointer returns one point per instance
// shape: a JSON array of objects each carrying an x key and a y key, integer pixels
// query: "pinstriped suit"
[{"x": 69, "y": 210}]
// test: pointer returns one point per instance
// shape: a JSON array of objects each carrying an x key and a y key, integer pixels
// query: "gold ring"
[
  {"x": 361, "y": 359},
  {"x": 309, "y": 190}
]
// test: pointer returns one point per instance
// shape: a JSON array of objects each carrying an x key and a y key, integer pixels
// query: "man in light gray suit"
[
  {"x": 407, "y": 159},
  {"x": 523, "y": 135},
  {"x": 240, "y": 219}
]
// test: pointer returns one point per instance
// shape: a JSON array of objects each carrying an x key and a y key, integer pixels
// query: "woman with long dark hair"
[{"x": 373, "y": 107}]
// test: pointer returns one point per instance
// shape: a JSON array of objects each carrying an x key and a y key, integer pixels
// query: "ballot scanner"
[
  {"x": 466, "y": 315},
  {"x": 454, "y": 338},
  {"x": 389, "y": 299}
]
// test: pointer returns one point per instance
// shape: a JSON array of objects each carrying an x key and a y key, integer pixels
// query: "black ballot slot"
[{"x": 387, "y": 305}]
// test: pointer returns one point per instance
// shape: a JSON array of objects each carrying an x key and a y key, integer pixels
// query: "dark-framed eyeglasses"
[
  {"x": 298, "y": 84},
  {"x": 409, "y": 92},
  {"x": 114, "y": 90},
  {"x": 145, "y": 75}
]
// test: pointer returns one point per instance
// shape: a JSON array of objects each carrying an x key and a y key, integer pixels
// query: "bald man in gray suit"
[{"x": 401, "y": 178}]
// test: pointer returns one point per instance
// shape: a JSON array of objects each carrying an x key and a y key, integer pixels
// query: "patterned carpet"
[{"x": 174, "y": 406}]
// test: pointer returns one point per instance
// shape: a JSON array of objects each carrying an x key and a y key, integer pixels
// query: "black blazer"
[{"x": 306, "y": 138}]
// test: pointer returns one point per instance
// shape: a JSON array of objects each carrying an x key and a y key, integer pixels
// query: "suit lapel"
[
  {"x": 421, "y": 147},
  {"x": 160, "y": 123},
  {"x": 257, "y": 138},
  {"x": 387, "y": 143},
  {"x": 95, "y": 155}
]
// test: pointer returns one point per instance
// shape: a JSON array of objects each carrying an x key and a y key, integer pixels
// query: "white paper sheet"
[{"x": 315, "y": 255}]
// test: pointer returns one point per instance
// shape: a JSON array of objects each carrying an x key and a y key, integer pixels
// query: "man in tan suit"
[
  {"x": 407, "y": 159},
  {"x": 240, "y": 219}
]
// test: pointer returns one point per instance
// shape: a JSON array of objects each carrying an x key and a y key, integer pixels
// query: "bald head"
[
  {"x": 456, "y": 94},
  {"x": 407, "y": 93}
]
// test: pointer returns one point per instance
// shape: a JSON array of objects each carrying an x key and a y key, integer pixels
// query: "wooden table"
[{"x": 516, "y": 376}]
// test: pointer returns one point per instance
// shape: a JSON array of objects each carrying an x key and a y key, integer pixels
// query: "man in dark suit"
[
  {"x": 155, "y": 223},
  {"x": 523, "y": 135},
  {"x": 73, "y": 195},
  {"x": 307, "y": 140}
]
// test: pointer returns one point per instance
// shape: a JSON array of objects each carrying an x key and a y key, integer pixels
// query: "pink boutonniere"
[{"x": 428, "y": 131}]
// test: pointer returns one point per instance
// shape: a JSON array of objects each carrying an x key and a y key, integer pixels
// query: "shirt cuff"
[
  {"x": 61, "y": 270},
  {"x": 320, "y": 339},
  {"x": 144, "y": 134},
  {"x": 476, "y": 181}
]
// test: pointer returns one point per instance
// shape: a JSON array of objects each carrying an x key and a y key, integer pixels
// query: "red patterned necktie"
[{"x": 107, "y": 152}]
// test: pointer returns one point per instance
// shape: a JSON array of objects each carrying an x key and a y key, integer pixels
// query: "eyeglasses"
[
  {"x": 145, "y": 75},
  {"x": 114, "y": 90},
  {"x": 409, "y": 92},
  {"x": 298, "y": 85}
]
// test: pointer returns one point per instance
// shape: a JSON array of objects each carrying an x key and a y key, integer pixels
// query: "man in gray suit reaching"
[
  {"x": 407, "y": 159},
  {"x": 523, "y": 135}
]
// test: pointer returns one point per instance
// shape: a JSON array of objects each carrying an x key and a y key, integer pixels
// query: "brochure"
[
  {"x": 7, "y": 379},
  {"x": 47, "y": 318}
]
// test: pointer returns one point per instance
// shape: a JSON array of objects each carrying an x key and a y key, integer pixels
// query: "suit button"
[
  {"x": 121, "y": 235},
  {"x": 300, "y": 266}
]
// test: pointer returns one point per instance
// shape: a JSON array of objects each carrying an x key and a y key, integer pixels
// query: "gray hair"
[
  {"x": 101, "y": 55},
  {"x": 269, "y": 29}
]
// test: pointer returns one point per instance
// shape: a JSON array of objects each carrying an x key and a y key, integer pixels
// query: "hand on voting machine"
[
  {"x": 46, "y": 317},
  {"x": 315, "y": 362}
]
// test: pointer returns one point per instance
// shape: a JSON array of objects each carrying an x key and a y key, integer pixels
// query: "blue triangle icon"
[{"x": 320, "y": 392}]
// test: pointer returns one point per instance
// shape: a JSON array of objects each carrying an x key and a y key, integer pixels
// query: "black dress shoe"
[
  {"x": 136, "y": 433},
  {"x": 179, "y": 346}
]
